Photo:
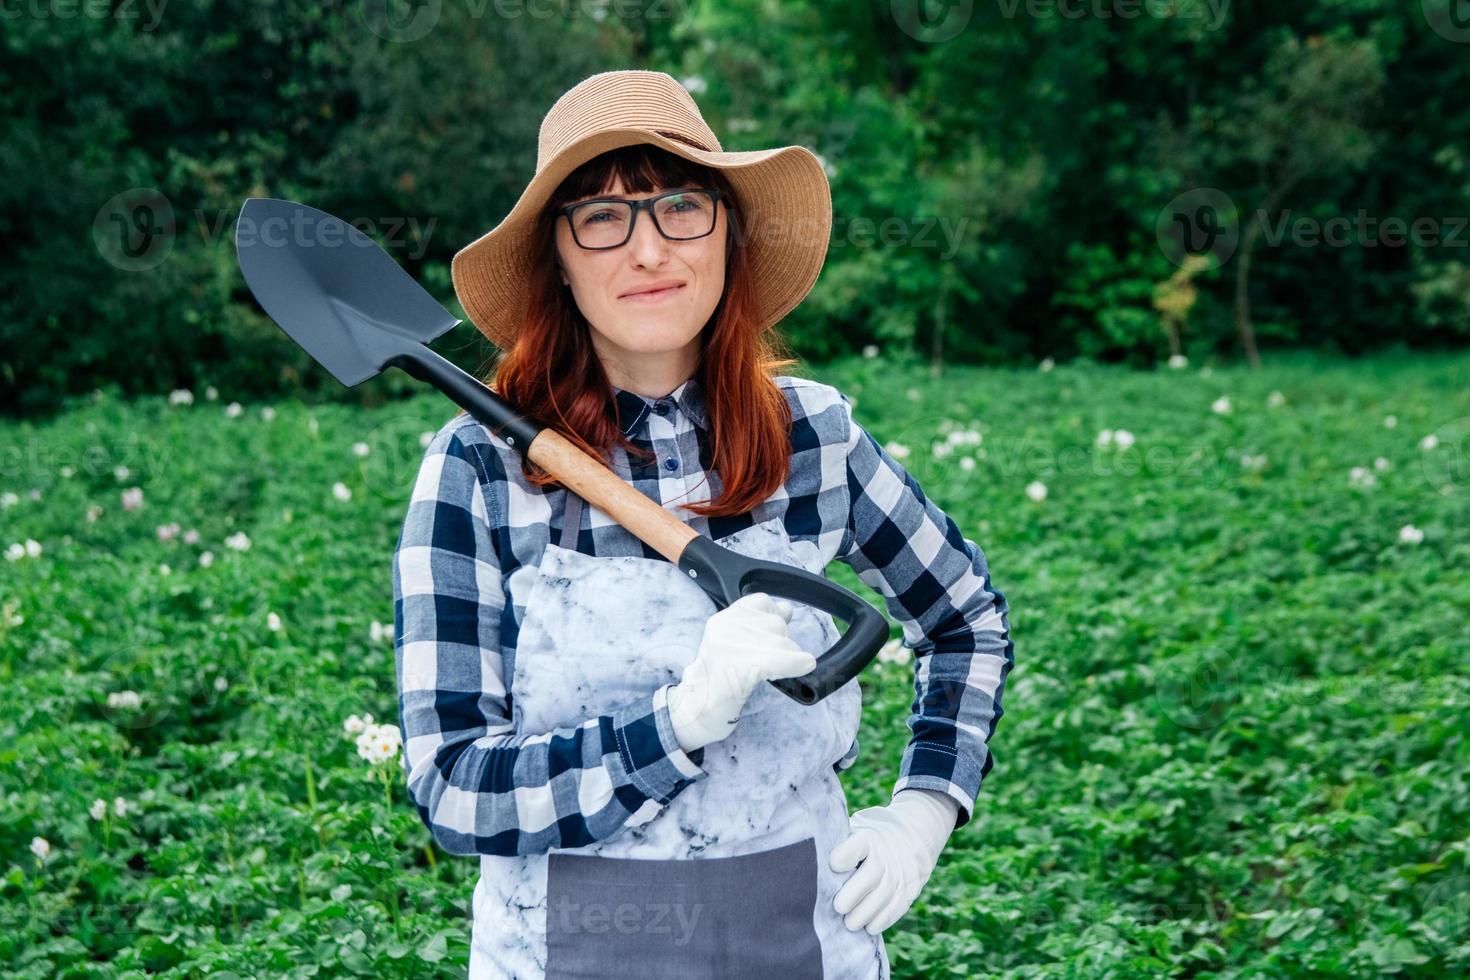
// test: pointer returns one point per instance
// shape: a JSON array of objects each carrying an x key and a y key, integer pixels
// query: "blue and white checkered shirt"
[{"x": 474, "y": 518}]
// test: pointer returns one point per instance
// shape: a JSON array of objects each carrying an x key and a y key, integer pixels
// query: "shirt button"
[
  {"x": 662, "y": 408},
  {"x": 671, "y": 463}
]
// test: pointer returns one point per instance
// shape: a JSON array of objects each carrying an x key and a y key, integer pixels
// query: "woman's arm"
[
  {"x": 479, "y": 786},
  {"x": 936, "y": 584}
]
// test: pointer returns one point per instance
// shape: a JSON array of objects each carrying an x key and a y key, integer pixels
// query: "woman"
[{"x": 575, "y": 711}]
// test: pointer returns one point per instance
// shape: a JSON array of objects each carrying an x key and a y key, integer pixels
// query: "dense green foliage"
[
  {"x": 1008, "y": 179},
  {"x": 1234, "y": 742}
]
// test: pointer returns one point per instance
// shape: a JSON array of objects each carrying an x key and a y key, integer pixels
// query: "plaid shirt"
[{"x": 481, "y": 787}]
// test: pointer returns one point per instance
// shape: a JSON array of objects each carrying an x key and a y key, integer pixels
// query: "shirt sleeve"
[
  {"x": 936, "y": 583},
  {"x": 478, "y": 785}
]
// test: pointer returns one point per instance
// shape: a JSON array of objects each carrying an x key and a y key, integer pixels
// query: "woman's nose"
[{"x": 648, "y": 246}]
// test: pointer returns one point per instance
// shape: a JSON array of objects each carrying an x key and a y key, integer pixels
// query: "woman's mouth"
[{"x": 653, "y": 296}]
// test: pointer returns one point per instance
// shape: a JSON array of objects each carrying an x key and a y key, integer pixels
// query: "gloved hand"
[
  {"x": 898, "y": 846},
  {"x": 743, "y": 644}
]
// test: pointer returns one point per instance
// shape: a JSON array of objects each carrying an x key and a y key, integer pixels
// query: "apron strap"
[{"x": 571, "y": 521}]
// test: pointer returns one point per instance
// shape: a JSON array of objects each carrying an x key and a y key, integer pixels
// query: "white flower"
[
  {"x": 93, "y": 512},
  {"x": 273, "y": 622},
  {"x": 341, "y": 491},
  {"x": 132, "y": 498},
  {"x": 1429, "y": 442},
  {"x": 15, "y": 552},
  {"x": 221, "y": 682},
  {"x": 1275, "y": 400},
  {"x": 33, "y": 548},
  {"x": 240, "y": 541},
  {"x": 68, "y": 471},
  {"x": 40, "y": 847},
  {"x": 1046, "y": 364},
  {"x": 268, "y": 413},
  {"x": 693, "y": 84},
  {"x": 965, "y": 437},
  {"x": 1221, "y": 405},
  {"x": 311, "y": 424},
  {"x": 123, "y": 699},
  {"x": 379, "y": 743},
  {"x": 233, "y": 410},
  {"x": 211, "y": 393},
  {"x": 119, "y": 806},
  {"x": 1389, "y": 421},
  {"x": 163, "y": 569},
  {"x": 98, "y": 809},
  {"x": 1380, "y": 464},
  {"x": 894, "y": 652},
  {"x": 181, "y": 396},
  {"x": 1104, "y": 438},
  {"x": 1178, "y": 361},
  {"x": 167, "y": 532},
  {"x": 1123, "y": 438},
  {"x": 1361, "y": 476},
  {"x": 942, "y": 449},
  {"x": 870, "y": 351},
  {"x": 1253, "y": 462},
  {"x": 897, "y": 450},
  {"x": 967, "y": 462},
  {"x": 121, "y": 472},
  {"x": 426, "y": 437},
  {"x": 8, "y": 499},
  {"x": 191, "y": 536},
  {"x": 1409, "y": 534},
  {"x": 1036, "y": 490},
  {"x": 379, "y": 632},
  {"x": 361, "y": 448},
  {"x": 206, "y": 559},
  {"x": 353, "y": 725}
]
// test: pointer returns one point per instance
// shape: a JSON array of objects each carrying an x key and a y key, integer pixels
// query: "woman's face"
[{"x": 628, "y": 327}]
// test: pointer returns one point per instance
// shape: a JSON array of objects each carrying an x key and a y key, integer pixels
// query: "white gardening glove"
[
  {"x": 898, "y": 846},
  {"x": 743, "y": 644}
]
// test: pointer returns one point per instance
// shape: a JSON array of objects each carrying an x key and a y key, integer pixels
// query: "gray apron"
[{"x": 730, "y": 879}]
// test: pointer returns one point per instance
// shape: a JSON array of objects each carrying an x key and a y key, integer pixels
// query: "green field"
[{"x": 1234, "y": 741}]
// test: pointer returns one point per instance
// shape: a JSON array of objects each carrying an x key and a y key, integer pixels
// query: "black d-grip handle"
[{"x": 727, "y": 575}]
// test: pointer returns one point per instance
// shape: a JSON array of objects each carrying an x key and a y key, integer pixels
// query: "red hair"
[{"x": 553, "y": 375}]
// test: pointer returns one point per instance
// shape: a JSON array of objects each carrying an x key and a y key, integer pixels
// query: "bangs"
[{"x": 642, "y": 168}]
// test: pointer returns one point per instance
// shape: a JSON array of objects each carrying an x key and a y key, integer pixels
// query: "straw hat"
[{"x": 783, "y": 194}]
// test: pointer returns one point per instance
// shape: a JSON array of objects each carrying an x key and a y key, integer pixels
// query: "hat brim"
[{"x": 785, "y": 200}]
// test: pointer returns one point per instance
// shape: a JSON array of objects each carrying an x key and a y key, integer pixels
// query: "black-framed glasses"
[{"x": 607, "y": 222}]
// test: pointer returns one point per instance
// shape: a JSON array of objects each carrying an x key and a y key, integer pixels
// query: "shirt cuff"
[
  {"x": 964, "y": 798},
  {"x": 649, "y": 749}
]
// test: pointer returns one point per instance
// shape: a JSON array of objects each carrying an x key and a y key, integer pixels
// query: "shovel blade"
[{"x": 333, "y": 289}]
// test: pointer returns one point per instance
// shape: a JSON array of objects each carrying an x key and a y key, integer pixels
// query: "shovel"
[{"x": 344, "y": 300}]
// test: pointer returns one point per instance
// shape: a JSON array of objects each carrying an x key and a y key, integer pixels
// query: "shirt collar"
[{"x": 633, "y": 407}]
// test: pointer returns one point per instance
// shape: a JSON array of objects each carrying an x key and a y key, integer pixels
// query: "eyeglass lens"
[{"x": 687, "y": 214}]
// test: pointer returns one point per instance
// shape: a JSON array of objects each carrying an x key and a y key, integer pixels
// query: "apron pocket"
[{"x": 746, "y": 916}]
